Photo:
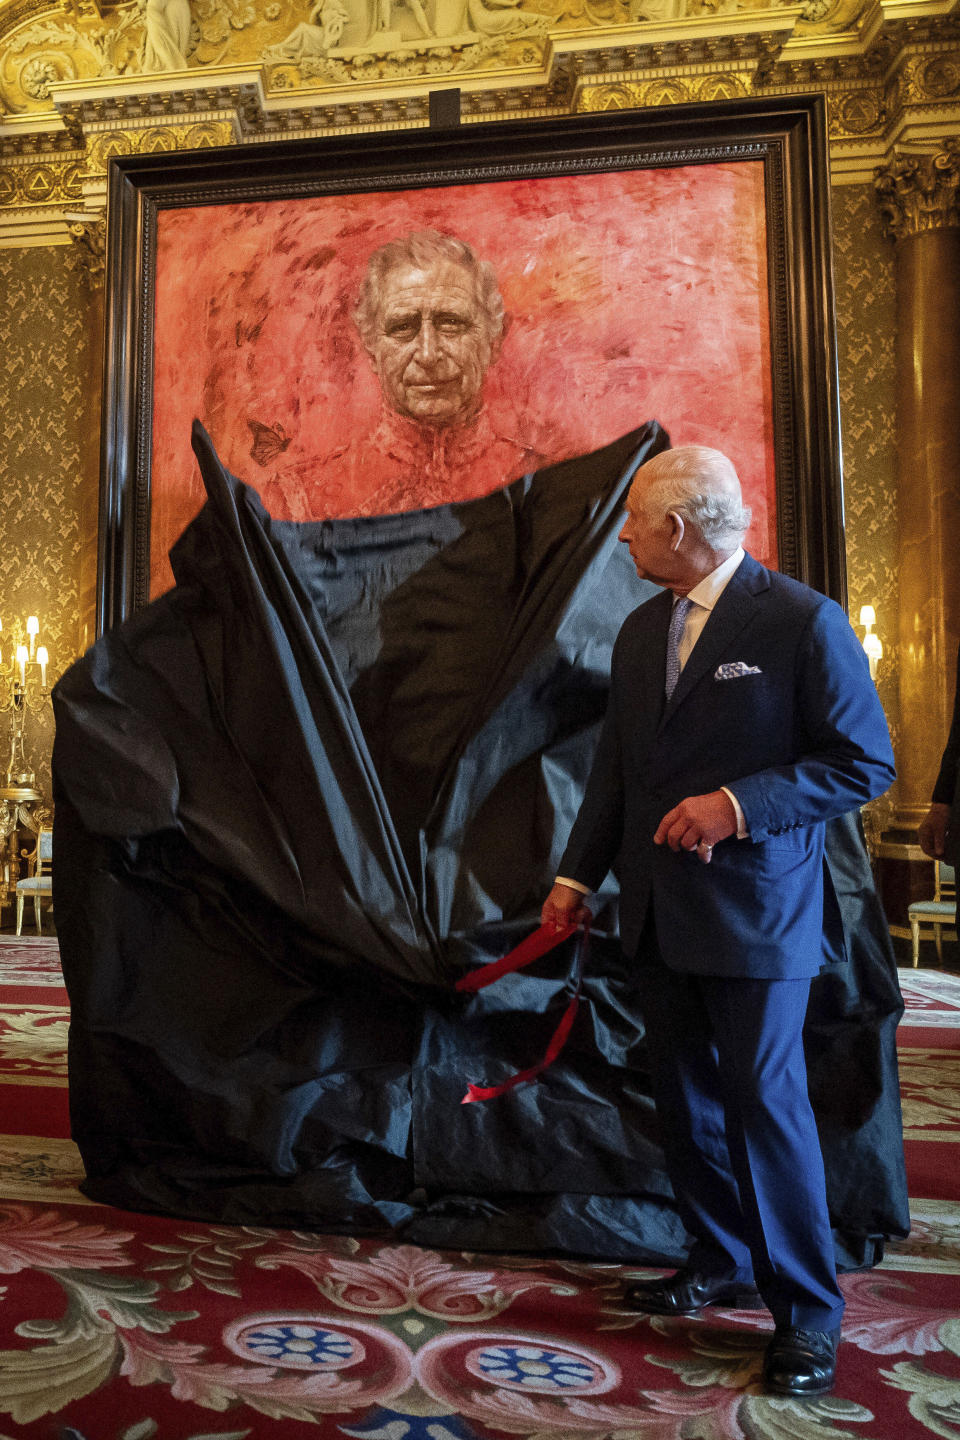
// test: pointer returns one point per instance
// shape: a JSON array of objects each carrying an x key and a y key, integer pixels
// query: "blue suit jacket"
[{"x": 798, "y": 735}]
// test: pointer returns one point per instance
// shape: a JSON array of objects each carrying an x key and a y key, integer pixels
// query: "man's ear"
[{"x": 676, "y": 529}]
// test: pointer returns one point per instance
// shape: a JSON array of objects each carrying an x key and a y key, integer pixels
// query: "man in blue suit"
[{"x": 741, "y": 718}]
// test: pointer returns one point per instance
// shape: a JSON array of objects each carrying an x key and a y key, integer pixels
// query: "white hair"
[{"x": 702, "y": 487}]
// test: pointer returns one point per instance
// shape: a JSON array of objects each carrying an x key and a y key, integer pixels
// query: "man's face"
[
  {"x": 651, "y": 546},
  {"x": 432, "y": 347}
]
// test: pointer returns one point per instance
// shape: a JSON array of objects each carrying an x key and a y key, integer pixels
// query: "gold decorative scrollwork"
[
  {"x": 666, "y": 92},
  {"x": 104, "y": 147},
  {"x": 208, "y": 134},
  {"x": 923, "y": 78},
  {"x": 71, "y": 183},
  {"x": 856, "y": 112},
  {"x": 722, "y": 87},
  {"x": 918, "y": 193},
  {"x": 941, "y": 76},
  {"x": 158, "y": 137},
  {"x": 89, "y": 248},
  {"x": 39, "y": 184},
  {"x": 32, "y": 185},
  {"x": 609, "y": 97}
]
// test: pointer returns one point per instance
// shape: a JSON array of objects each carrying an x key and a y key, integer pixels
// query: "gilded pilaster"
[{"x": 919, "y": 201}]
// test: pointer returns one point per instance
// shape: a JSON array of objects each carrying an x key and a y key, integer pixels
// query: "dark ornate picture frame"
[{"x": 787, "y": 136}]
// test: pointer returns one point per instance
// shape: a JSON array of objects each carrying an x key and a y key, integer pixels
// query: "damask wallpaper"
[
  {"x": 49, "y": 397},
  {"x": 866, "y": 329}
]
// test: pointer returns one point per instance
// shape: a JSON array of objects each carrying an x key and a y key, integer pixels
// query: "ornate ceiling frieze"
[{"x": 81, "y": 80}]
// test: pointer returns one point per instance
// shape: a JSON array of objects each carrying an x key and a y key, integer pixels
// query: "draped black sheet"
[{"x": 299, "y": 795}]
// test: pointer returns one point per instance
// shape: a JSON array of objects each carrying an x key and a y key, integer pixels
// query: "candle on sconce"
[
  {"x": 43, "y": 660},
  {"x": 33, "y": 630},
  {"x": 22, "y": 657},
  {"x": 871, "y": 642}
]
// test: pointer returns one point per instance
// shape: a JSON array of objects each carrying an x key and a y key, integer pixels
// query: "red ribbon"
[{"x": 542, "y": 941}]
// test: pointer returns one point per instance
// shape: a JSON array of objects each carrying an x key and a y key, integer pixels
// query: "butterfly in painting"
[{"x": 269, "y": 441}]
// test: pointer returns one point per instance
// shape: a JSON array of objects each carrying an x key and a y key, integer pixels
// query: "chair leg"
[
  {"x": 19, "y": 914},
  {"x": 36, "y": 913},
  {"x": 937, "y": 932},
  {"x": 915, "y": 935}
]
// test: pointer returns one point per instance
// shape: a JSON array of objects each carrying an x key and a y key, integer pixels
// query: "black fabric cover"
[{"x": 297, "y": 797}]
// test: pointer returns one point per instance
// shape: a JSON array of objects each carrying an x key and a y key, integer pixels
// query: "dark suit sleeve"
[
  {"x": 845, "y": 756},
  {"x": 946, "y": 786},
  {"x": 598, "y": 829}
]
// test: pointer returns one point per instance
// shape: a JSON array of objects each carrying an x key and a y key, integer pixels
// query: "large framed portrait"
[{"x": 380, "y": 323}]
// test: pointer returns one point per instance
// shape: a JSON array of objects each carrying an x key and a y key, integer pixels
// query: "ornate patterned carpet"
[{"x": 116, "y": 1326}]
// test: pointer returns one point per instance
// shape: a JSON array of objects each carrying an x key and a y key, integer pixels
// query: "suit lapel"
[{"x": 731, "y": 614}]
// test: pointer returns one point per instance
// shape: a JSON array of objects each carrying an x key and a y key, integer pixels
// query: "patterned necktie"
[{"x": 677, "y": 621}]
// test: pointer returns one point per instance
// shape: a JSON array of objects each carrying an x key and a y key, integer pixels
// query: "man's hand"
[
  {"x": 698, "y": 823},
  {"x": 933, "y": 831},
  {"x": 564, "y": 906}
]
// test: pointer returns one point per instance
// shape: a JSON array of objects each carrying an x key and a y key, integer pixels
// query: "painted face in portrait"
[{"x": 432, "y": 344}]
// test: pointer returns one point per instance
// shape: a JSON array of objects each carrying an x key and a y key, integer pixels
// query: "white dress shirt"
[{"x": 704, "y": 597}]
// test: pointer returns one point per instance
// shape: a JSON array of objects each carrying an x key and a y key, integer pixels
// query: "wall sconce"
[
  {"x": 872, "y": 643},
  {"x": 23, "y": 684}
]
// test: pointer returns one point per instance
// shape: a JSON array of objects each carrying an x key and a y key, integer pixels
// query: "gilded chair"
[
  {"x": 39, "y": 882},
  {"x": 936, "y": 913}
]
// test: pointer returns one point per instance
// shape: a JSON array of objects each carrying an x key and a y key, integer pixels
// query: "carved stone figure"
[
  {"x": 502, "y": 17},
  {"x": 166, "y": 34},
  {"x": 310, "y": 39},
  {"x": 382, "y": 26}
]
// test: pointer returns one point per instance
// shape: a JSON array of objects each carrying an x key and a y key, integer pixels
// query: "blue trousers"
[{"x": 739, "y": 1134}]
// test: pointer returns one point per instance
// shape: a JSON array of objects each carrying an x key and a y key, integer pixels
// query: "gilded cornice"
[
  {"x": 81, "y": 81},
  {"x": 921, "y": 192}
]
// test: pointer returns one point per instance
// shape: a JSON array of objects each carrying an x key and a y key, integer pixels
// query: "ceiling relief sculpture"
[{"x": 331, "y": 42}]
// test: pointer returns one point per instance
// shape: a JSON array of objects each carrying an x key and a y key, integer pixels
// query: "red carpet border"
[{"x": 126, "y": 1327}]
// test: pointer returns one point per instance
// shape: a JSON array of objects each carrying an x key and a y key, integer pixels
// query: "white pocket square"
[{"x": 734, "y": 669}]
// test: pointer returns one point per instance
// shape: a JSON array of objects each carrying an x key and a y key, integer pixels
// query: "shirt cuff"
[
  {"x": 742, "y": 832},
  {"x": 573, "y": 884}
]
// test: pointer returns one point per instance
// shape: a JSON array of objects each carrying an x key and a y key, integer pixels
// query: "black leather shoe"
[
  {"x": 686, "y": 1292},
  {"x": 800, "y": 1362}
]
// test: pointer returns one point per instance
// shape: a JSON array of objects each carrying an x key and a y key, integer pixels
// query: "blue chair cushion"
[{"x": 945, "y": 909}]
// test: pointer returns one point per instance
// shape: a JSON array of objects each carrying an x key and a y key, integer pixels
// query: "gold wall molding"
[
  {"x": 921, "y": 192},
  {"x": 31, "y": 181},
  {"x": 666, "y": 89}
]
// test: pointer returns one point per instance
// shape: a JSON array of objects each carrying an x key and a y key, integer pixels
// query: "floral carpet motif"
[
  {"x": 932, "y": 998},
  {"x": 126, "y": 1327},
  {"x": 30, "y": 960}
]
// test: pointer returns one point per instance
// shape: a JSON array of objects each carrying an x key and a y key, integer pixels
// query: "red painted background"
[{"x": 632, "y": 296}]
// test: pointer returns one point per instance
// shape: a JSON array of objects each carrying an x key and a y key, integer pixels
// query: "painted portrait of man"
[
  {"x": 368, "y": 353},
  {"x": 431, "y": 320}
]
